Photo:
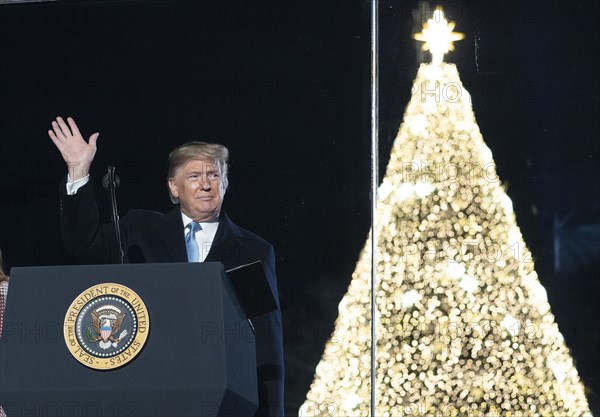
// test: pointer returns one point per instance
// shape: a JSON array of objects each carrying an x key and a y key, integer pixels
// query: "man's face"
[{"x": 197, "y": 185}]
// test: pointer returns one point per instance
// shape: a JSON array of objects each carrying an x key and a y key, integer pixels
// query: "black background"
[{"x": 286, "y": 86}]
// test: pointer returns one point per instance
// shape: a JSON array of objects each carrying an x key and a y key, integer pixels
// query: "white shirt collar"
[{"x": 187, "y": 220}]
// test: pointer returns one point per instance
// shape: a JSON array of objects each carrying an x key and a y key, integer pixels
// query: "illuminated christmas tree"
[{"x": 464, "y": 327}]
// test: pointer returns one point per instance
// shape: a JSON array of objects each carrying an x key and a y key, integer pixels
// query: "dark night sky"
[{"x": 286, "y": 86}]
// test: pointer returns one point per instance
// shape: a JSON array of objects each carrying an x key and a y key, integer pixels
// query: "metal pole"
[{"x": 374, "y": 183}]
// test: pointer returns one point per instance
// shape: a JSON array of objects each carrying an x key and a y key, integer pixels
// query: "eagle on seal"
[{"x": 104, "y": 329}]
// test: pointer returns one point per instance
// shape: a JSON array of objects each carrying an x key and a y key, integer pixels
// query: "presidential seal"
[{"x": 106, "y": 326}]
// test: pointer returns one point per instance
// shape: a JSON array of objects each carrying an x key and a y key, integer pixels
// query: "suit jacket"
[{"x": 149, "y": 236}]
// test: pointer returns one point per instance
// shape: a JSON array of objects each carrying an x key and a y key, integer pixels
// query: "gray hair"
[{"x": 199, "y": 150}]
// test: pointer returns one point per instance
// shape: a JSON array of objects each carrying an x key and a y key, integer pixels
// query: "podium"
[{"x": 193, "y": 353}]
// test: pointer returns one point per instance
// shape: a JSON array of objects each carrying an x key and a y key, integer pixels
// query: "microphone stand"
[{"x": 111, "y": 182}]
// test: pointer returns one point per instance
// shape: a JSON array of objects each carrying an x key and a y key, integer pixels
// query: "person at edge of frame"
[{"x": 3, "y": 293}]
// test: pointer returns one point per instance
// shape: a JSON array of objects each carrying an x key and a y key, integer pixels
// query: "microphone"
[
  {"x": 110, "y": 182},
  {"x": 106, "y": 180}
]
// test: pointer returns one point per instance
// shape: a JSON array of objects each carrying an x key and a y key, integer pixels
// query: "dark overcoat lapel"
[
  {"x": 226, "y": 245},
  {"x": 170, "y": 229}
]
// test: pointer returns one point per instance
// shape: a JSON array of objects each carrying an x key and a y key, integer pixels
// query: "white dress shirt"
[{"x": 73, "y": 186}]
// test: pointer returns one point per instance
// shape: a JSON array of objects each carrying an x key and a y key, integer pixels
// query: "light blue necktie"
[{"x": 191, "y": 245}]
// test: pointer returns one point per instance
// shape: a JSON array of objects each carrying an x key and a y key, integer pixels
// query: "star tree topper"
[{"x": 438, "y": 36}]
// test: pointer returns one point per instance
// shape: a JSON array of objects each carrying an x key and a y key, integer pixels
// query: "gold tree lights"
[{"x": 464, "y": 326}]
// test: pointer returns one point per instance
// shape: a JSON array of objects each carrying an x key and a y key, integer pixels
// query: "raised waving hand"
[{"x": 77, "y": 153}]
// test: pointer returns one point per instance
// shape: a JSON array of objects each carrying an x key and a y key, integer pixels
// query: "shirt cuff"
[{"x": 73, "y": 186}]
